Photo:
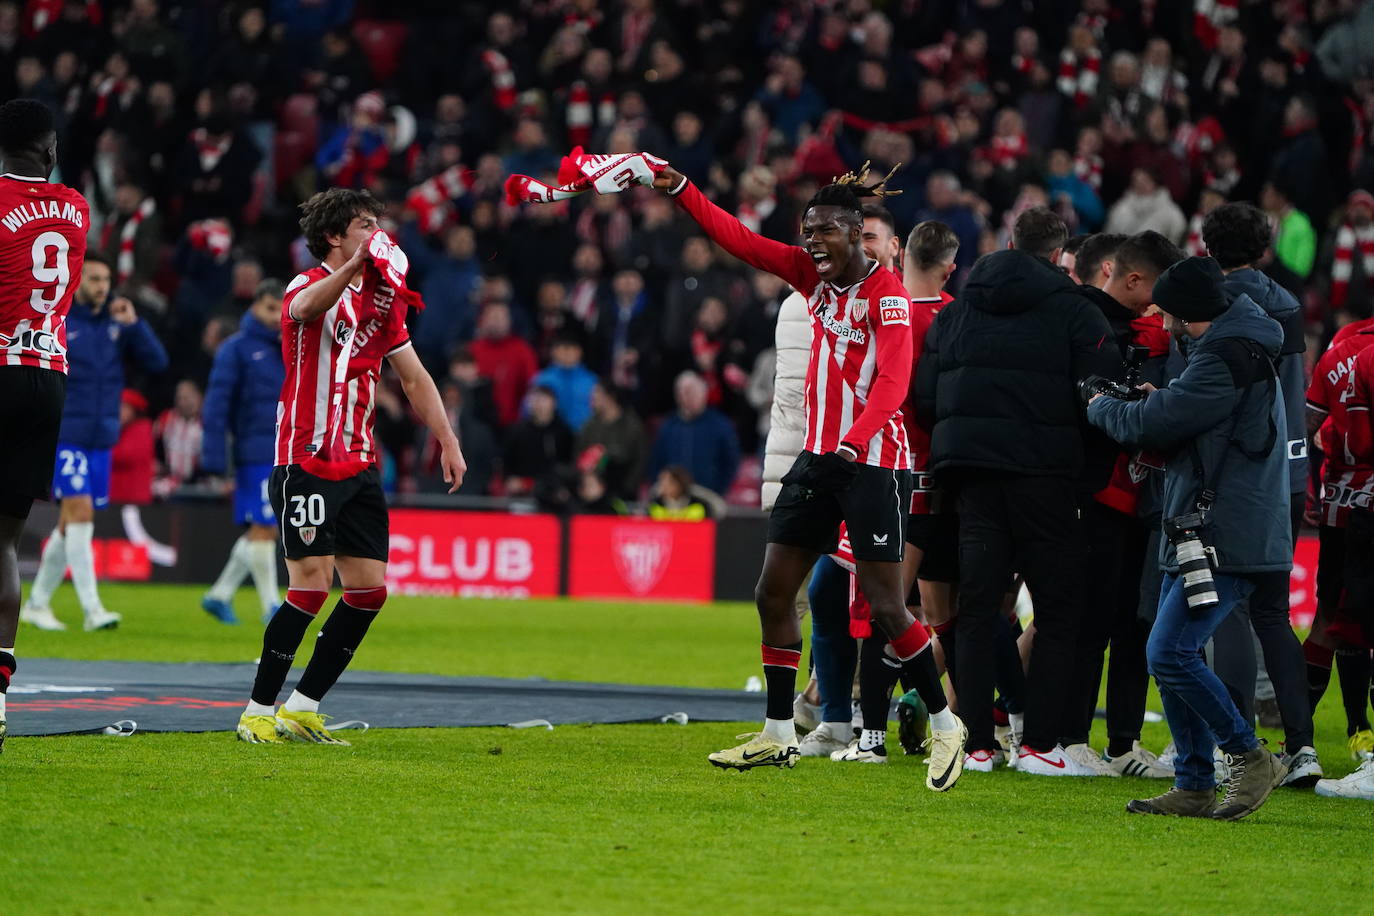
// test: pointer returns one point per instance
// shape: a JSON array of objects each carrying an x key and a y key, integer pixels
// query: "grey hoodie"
[
  {"x": 1280, "y": 305},
  {"x": 1249, "y": 520}
]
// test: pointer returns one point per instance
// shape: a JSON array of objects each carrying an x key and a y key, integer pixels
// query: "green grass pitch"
[{"x": 601, "y": 819}]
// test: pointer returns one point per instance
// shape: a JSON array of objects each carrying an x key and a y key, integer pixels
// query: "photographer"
[{"x": 1222, "y": 426}]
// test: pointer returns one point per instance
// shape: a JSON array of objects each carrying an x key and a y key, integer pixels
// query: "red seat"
[{"x": 381, "y": 41}]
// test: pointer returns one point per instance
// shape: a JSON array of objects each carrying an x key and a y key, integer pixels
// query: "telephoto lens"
[{"x": 1199, "y": 588}]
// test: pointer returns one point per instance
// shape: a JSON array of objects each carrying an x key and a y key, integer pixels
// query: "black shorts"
[
  {"x": 937, "y": 537},
  {"x": 325, "y": 518},
  {"x": 873, "y": 507},
  {"x": 31, "y": 414},
  {"x": 1330, "y": 565}
]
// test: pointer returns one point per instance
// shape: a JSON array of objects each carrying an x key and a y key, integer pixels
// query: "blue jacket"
[
  {"x": 1084, "y": 199},
  {"x": 573, "y": 388},
  {"x": 1249, "y": 524},
  {"x": 707, "y": 445},
  {"x": 241, "y": 398},
  {"x": 1280, "y": 305},
  {"x": 96, "y": 347}
]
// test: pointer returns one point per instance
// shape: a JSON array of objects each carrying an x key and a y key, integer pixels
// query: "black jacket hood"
[{"x": 1009, "y": 282}]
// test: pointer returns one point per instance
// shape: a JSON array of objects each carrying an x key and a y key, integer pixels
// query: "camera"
[
  {"x": 1126, "y": 390},
  {"x": 1194, "y": 559}
]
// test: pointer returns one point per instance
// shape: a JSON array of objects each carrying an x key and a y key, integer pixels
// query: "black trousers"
[
  {"x": 1116, "y": 545},
  {"x": 1233, "y": 654},
  {"x": 1030, "y": 525}
]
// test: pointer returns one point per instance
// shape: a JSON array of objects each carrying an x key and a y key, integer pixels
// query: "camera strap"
[{"x": 1207, "y": 495}]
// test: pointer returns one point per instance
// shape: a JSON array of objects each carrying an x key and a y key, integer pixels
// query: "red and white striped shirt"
[
  {"x": 316, "y": 354},
  {"x": 1346, "y": 480},
  {"x": 860, "y": 365},
  {"x": 43, "y": 229},
  {"x": 382, "y": 333},
  {"x": 923, "y": 312}
]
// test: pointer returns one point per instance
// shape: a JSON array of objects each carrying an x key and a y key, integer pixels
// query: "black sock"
[
  {"x": 1353, "y": 671},
  {"x": 7, "y": 666},
  {"x": 280, "y": 641},
  {"x": 920, "y": 670},
  {"x": 1318, "y": 660},
  {"x": 339, "y": 638},
  {"x": 878, "y": 672}
]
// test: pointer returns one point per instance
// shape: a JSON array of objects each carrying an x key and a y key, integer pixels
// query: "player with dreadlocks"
[{"x": 855, "y": 466}]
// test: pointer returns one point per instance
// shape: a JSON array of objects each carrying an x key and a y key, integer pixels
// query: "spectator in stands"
[
  {"x": 1065, "y": 185},
  {"x": 1295, "y": 241},
  {"x": 132, "y": 459},
  {"x": 698, "y": 438},
  {"x": 538, "y": 447},
  {"x": 213, "y": 174},
  {"x": 449, "y": 288},
  {"x": 1147, "y": 205},
  {"x": 356, "y": 153},
  {"x": 569, "y": 380},
  {"x": 479, "y": 446},
  {"x": 504, "y": 359},
  {"x": 1352, "y": 269},
  {"x": 690, "y": 150},
  {"x": 617, "y": 432},
  {"x": 475, "y": 389},
  {"x": 1302, "y": 166},
  {"x": 944, "y": 203},
  {"x": 698, "y": 277},
  {"x": 179, "y": 434},
  {"x": 132, "y": 242},
  {"x": 673, "y": 499}
]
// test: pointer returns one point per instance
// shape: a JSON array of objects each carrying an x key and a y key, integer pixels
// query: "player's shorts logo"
[{"x": 307, "y": 535}]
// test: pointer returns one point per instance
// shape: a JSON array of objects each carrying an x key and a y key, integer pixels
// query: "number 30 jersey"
[{"x": 42, "y": 247}]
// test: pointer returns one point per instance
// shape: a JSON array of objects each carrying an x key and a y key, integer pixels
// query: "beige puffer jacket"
[{"x": 788, "y": 425}]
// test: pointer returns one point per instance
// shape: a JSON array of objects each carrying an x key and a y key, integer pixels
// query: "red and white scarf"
[
  {"x": 1078, "y": 76},
  {"x": 1089, "y": 168},
  {"x": 579, "y": 114},
  {"x": 1194, "y": 246},
  {"x": 502, "y": 78},
  {"x": 1351, "y": 241},
  {"x": 213, "y": 236},
  {"x": 432, "y": 200},
  {"x": 580, "y": 172},
  {"x": 209, "y": 147},
  {"x": 1006, "y": 152},
  {"x": 124, "y": 263},
  {"x": 1209, "y": 16}
]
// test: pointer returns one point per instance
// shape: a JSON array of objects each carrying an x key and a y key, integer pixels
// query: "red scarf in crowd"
[
  {"x": 1078, "y": 76},
  {"x": 124, "y": 263},
  {"x": 432, "y": 201},
  {"x": 502, "y": 78}
]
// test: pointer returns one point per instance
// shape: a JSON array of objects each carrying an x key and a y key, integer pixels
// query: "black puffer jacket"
[{"x": 997, "y": 379}]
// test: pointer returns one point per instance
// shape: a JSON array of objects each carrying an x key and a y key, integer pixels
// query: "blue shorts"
[
  {"x": 252, "y": 506},
  {"x": 81, "y": 471}
]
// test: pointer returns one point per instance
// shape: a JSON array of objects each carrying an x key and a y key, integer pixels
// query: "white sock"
[
  {"x": 258, "y": 709},
  {"x": 1017, "y": 721},
  {"x": 81, "y": 558},
  {"x": 943, "y": 721},
  {"x": 52, "y": 569},
  {"x": 299, "y": 702},
  {"x": 234, "y": 572},
  {"x": 840, "y": 731},
  {"x": 779, "y": 730},
  {"x": 870, "y": 738},
  {"x": 262, "y": 562},
  {"x": 2, "y": 707}
]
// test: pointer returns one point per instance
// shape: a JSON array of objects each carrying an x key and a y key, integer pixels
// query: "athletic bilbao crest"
[
  {"x": 642, "y": 553},
  {"x": 858, "y": 310},
  {"x": 307, "y": 535}
]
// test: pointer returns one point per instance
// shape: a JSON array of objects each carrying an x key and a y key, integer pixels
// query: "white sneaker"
[
  {"x": 101, "y": 619},
  {"x": 1359, "y": 784},
  {"x": 1169, "y": 756},
  {"x": 1140, "y": 762},
  {"x": 1304, "y": 770},
  {"x": 804, "y": 715},
  {"x": 852, "y": 754},
  {"x": 41, "y": 617},
  {"x": 1051, "y": 763},
  {"x": 826, "y": 739},
  {"x": 984, "y": 761},
  {"x": 1091, "y": 760}
]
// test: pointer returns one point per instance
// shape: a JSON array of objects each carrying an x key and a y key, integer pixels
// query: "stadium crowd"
[{"x": 195, "y": 130}]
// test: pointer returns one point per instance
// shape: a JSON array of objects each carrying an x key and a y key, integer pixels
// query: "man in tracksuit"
[
  {"x": 240, "y": 401},
  {"x": 1222, "y": 426},
  {"x": 102, "y": 331}
]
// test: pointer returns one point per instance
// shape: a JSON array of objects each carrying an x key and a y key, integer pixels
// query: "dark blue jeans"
[
  {"x": 1200, "y": 711},
  {"x": 832, "y": 648}
]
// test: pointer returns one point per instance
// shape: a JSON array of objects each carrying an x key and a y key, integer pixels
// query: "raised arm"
[
  {"x": 793, "y": 265},
  {"x": 320, "y": 296}
]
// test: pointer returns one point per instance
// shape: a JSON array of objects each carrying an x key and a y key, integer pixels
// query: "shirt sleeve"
[
  {"x": 1319, "y": 391},
  {"x": 890, "y": 323},
  {"x": 793, "y": 265},
  {"x": 300, "y": 282}
]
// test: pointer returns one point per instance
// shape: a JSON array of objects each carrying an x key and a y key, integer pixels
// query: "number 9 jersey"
[{"x": 43, "y": 229}]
